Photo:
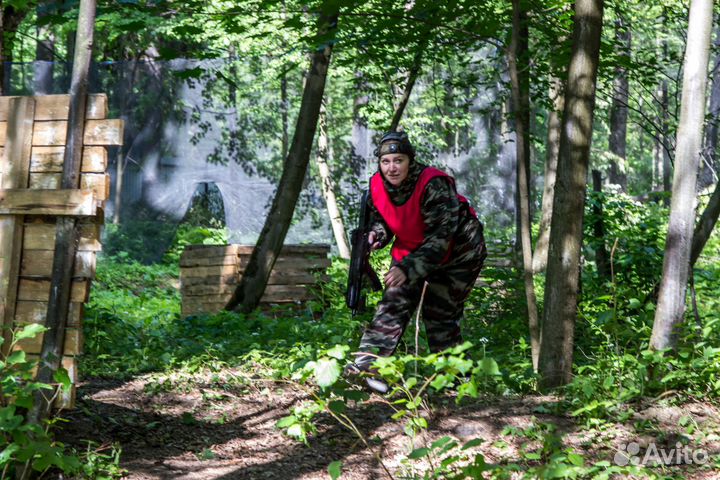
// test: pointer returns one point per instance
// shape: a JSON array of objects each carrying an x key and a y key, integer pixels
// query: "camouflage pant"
[{"x": 443, "y": 304}]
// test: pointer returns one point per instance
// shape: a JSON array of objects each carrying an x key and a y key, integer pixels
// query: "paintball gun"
[{"x": 360, "y": 261}]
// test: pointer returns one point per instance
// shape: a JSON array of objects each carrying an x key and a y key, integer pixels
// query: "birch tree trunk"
[
  {"x": 673, "y": 286},
  {"x": 561, "y": 292},
  {"x": 520, "y": 90},
  {"x": 619, "y": 111},
  {"x": 551, "y": 160},
  {"x": 252, "y": 286},
  {"x": 336, "y": 221}
]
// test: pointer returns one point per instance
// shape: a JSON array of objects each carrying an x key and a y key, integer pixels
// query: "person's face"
[{"x": 395, "y": 167}]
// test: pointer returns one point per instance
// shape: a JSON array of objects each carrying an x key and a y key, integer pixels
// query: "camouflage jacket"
[{"x": 442, "y": 214}]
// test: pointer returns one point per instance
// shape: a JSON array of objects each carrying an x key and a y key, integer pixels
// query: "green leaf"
[
  {"x": 63, "y": 378},
  {"x": 296, "y": 431},
  {"x": 16, "y": 357},
  {"x": 327, "y": 371},
  {"x": 472, "y": 443},
  {"x": 440, "y": 442},
  {"x": 6, "y": 455},
  {"x": 634, "y": 303},
  {"x": 286, "y": 421},
  {"x": 419, "y": 453},
  {"x": 488, "y": 366},
  {"x": 338, "y": 351},
  {"x": 335, "y": 469},
  {"x": 337, "y": 406},
  {"x": 576, "y": 459},
  {"x": 29, "y": 331}
]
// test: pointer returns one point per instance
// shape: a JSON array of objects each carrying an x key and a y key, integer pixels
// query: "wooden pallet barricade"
[
  {"x": 210, "y": 273},
  {"x": 32, "y": 145}
]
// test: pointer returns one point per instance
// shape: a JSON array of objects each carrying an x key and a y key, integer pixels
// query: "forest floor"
[{"x": 203, "y": 428}]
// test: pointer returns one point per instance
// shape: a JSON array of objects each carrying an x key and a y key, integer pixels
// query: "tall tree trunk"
[
  {"x": 561, "y": 291},
  {"x": 336, "y": 221},
  {"x": 705, "y": 225},
  {"x": 708, "y": 168},
  {"x": 252, "y": 286},
  {"x": 551, "y": 159},
  {"x": 673, "y": 286},
  {"x": 412, "y": 78},
  {"x": 520, "y": 90},
  {"x": 67, "y": 234},
  {"x": 119, "y": 174},
  {"x": 284, "y": 104},
  {"x": 44, "y": 52},
  {"x": 602, "y": 260},
  {"x": 11, "y": 19},
  {"x": 664, "y": 111},
  {"x": 619, "y": 110}
]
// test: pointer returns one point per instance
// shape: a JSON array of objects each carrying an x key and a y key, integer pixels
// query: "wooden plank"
[
  {"x": 73, "y": 343},
  {"x": 231, "y": 259},
  {"x": 211, "y": 271},
  {"x": 289, "y": 292},
  {"x": 50, "y": 159},
  {"x": 99, "y": 182},
  {"x": 54, "y": 133},
  {"x": 35, "y": 312},
  {"x": 203, "y": 251},
  {"x": 284, "y": 263},
  {"x": 48, "y": 202},
  {"x": 228, "y": 279},
  {"x": 38, "y": 290},
  {"x": 15, "y": 165},
  {"x": 57, "y": 107},
  {"x": 38, "y": 263},
  {"x": 41, "y": 236}
]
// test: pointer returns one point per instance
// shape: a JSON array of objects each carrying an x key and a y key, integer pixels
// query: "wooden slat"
[
  {"x": 38, "y": 263},
  {"x": 53, "y": 133},
  {"x": 208, "y": 261},
  {"x": 274, "y": 292},
  {"x": 203, "y": 251},
  {"x": 228, "y": 279},
  {"x": 39, "y": 236},
  {"x": 73, "y": 343},
  {"x": 50, "y": 159},
  {"x": 15, "y": 167},
  {"x": 212, "y": 271},
  {"x": 99, "y": 182},
  {"x": 39, "y": 290},
  {"x": 36, "y": 312},
  {"x": 284, "y": 263},
  {"x": 57, "y": 107},
  {"x": 48, "y": 202}
]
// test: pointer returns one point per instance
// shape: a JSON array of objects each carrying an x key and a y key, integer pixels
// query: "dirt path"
[{"x": 209, "y": 432}]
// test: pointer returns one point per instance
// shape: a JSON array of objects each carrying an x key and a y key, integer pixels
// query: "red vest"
[{"x": 406, "y": 220}]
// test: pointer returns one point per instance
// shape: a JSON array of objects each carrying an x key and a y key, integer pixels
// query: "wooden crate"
[
  {"x": 32, "y": 145},
  {"x": 210, "y": 273}
]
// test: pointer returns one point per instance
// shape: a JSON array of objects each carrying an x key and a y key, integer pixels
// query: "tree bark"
[
  {"x": 11, "y": 17},
  {"x": 551, "y": 159},
  {"x": 412, "y": 78},
  {"x": 705, "y": 225},
  {"x": 602, "y": 259},
  {"x": 619, "y": 110},
  {"x": 708, "y": 169},
  {"x": 252, "y": 286},
  {"x": 520, "y": 90},
  {"x": 673, "y": 286},
  {"x": 336, "y": 221},
  {"x": 67, "y": 234},
  {"x": 561, "y": 292},
  {"x": 664, "y": 111},
  {"x": 44, "y": 53}
]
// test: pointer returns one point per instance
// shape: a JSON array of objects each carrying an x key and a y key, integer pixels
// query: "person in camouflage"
[{"x": 438, "y": 241}]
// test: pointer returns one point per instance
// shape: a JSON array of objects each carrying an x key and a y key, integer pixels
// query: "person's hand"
[
  {"x": 374, "y": 245},
  {"x": 395, "y": 277}
]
